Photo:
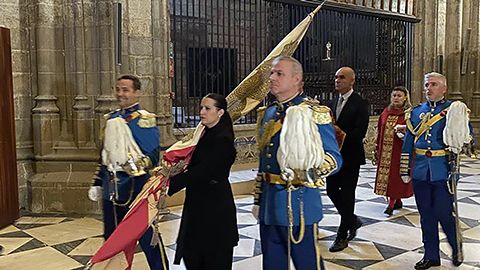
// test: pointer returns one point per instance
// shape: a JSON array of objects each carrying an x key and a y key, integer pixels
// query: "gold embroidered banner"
[{"x": 254, "y": 88}]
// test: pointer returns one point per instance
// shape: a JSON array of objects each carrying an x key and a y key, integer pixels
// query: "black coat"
[
  {"x": 209, "y": 214},
  {"x": 353, "y": 121}
]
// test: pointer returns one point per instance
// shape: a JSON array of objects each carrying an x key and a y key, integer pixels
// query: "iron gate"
[{"x": 218, "y": 42}]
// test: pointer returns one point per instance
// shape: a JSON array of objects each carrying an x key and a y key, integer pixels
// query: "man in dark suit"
[{"x": 351, "y": 114}]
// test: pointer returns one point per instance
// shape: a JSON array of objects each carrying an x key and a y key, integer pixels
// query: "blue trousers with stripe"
[
  {"x": 305, "y": 255},
  {"x": 435, "y": 205}
]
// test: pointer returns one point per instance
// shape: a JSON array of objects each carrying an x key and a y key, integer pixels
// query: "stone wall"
[
  {"x": 64, "y": 71},
  {"x": 447, "y": 41}
]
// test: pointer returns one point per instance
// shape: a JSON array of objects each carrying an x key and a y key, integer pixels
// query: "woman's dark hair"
[
  {"x": 221, "y": 103},
  {"x": 404, "y": 90}
]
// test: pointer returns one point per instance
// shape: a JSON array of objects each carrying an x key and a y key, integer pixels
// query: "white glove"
[
  {"x": 95, "y": 193},
  {"x": 256, "y": 211},
  {"x": 400, "y": 135}
]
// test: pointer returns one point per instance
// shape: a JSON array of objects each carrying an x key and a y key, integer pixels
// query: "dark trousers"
[
  {"x": 341, "y": 190},
  {"x": 208, "y": 259},
  {"x": 435, "y": 204},
  {"x": 156, "y": 256},
  {"x": 305, "y": 255}
]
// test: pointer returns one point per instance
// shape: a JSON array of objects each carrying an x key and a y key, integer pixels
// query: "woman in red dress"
[{"x": 391, "y": 129}]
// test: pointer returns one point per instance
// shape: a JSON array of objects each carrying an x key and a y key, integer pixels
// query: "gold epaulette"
[
  {"x": 108, "y": 115},
  {"x": 147, "y": 119},
  {"x": 321, "y": 114}
]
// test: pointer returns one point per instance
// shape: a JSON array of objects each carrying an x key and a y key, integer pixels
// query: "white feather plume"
[
  {"x": 301, "y": 146},
  {"x": 456, "y": 132},
  {"x": 118, "y": 143}
]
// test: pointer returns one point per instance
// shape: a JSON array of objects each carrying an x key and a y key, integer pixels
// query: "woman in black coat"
[{"x": 208, "y": 230}]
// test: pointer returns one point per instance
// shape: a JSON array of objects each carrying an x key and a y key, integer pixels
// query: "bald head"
[{"x": 344, "y": 79}]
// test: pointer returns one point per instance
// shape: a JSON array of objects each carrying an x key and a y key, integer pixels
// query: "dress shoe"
[
  {"x": 353, "y": 231},
  {"x": 456, "y": 260},
  {"x": 388, "y": 211},
  {"x": 398, "y": 205},
  {"x": 338, "y": 245},
  {"x": 426, "y": 263}
]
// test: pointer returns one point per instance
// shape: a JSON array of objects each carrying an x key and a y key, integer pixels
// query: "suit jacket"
[
  {"x": 353, "y": 121},
  {"x": 209, "y": 215}
]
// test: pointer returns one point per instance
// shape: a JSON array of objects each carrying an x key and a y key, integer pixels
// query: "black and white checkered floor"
[{"x": 59, "y": 242}]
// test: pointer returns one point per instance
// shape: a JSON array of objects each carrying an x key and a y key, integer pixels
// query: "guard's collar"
[
  {"x": 434, "y": 104},
  {"x": 132, "y": 108},
  {"x": 281, "y": 106}
]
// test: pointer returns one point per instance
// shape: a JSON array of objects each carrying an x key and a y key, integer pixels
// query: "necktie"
[{"x": 339, "y": 106}]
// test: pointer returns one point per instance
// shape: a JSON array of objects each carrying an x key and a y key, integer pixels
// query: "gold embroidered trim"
[{"x": 385, "y": 161}]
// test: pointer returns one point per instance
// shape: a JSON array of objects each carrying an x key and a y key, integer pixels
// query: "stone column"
[
  {"x": 162, "y": 83},
  {"x": 475, "y": 107},
  {"x": 106, "y": 62},
  {"x": 87, "y": 72},
  {"x": 46, "y": 117},
  {"x": 453, "y": 41}
]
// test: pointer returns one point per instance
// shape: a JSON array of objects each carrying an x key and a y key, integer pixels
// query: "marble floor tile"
[
  {"x": 140, "y": 261},
  {"x": 382, "y": 233},
  {"x": 40, "y": 220},
  {"x": 324, "y": 233},
  {"x": 476, "y": 199},
  {"x": 87, "y": 247},
  {"x": 40, "y": 258},
  {"x": 468, "y": 186},
  {"x": 468, "y": 210},
  {"x": 382, "y": 243},
  {"x": 365, "y": 194},
  {"x": 169, "y": 231},
  {"x": 471, "y": 252},
  {"x": 9, "y": 229},
  {"x": 375, "y": 211},
  {"x": 67, "y": 231},
  {"x": 356, "y": 250},
  {"x": 250, "y": 263},
  {"x": 245, "y": 248},
  {"x": 470, "y": 170},
  {"x": 464, "y": 194},
  {"x": 414, "y": 219},
  {"x": 246, "y": 218},
  {"x": 251, "y": 231},
  {"x": 473, "y": 233},
  {"x": 12, "y": 243},
  {"x": 404, "y": 261},
  {"x": 244, "y": 199},
  {"x": 330, "y": 220},
  {"x": 333, "y": 266}
]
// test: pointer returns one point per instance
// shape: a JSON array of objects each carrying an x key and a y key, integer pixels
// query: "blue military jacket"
[
  {"x": 435, "y": 168},
  {"x": 273, "y": 198},
  {"x": 146, "y": 135}
]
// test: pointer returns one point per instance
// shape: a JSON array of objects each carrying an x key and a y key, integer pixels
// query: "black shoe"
[
  {"x": 426, "y": 263},
  {"x": 353, "y": 231},
  {"x": 398, "y": 205},
  {"x": 388, "y": 211},
  {"x": 456, "y": 261},
  {"x": 338, "y": 245}
]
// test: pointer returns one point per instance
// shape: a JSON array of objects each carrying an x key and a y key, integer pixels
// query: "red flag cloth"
[{"x": 117, "y": 251}]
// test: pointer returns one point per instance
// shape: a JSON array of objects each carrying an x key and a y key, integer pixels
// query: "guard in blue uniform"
[
  {"x": 121, "y": 183},
  {"x": 425, "y": 160},
  {"x": 272, "y": 198}
]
